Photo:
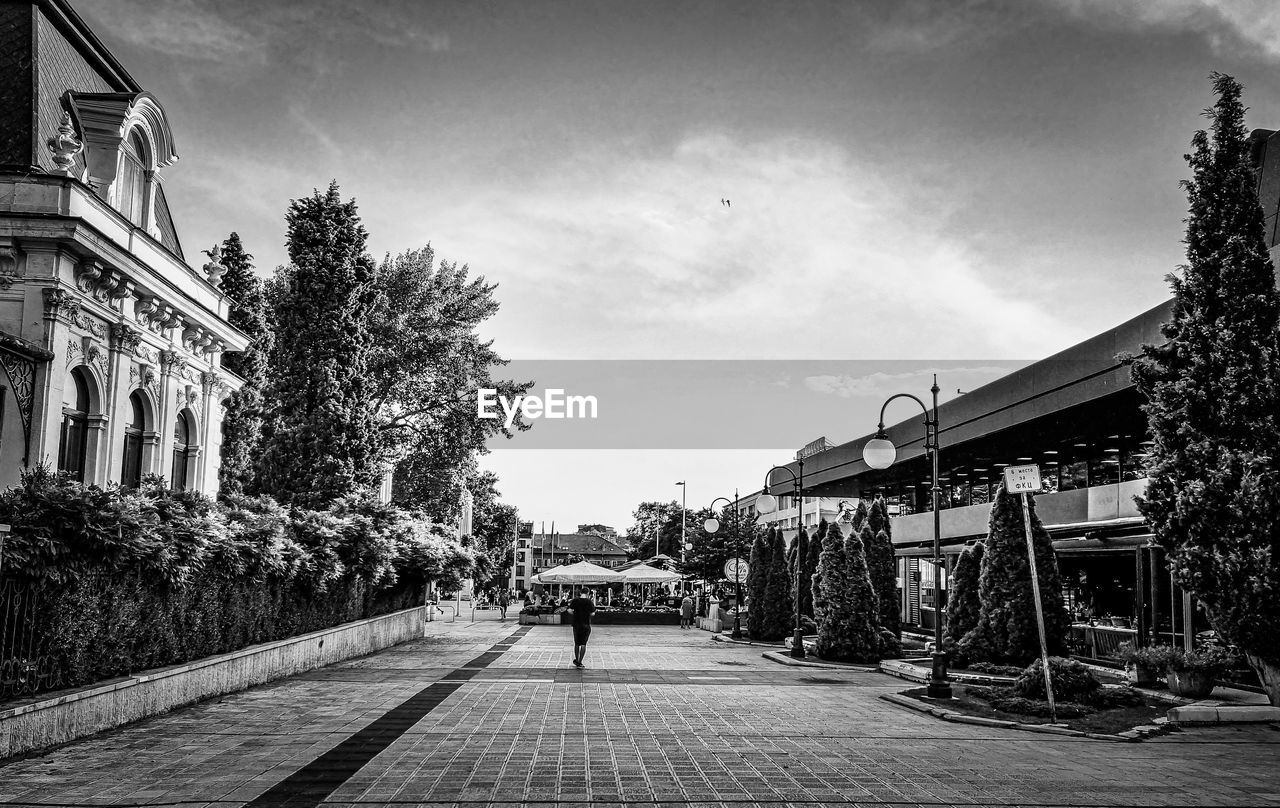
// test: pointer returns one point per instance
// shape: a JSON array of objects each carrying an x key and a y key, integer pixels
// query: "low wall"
[{"x": 65, "y": 715}]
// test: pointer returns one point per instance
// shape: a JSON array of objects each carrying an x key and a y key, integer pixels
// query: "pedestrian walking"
[
  {"x": 582, "y": 608},
  {"x": 503, "y": 603},
  {"x": 686, "y": 612}
]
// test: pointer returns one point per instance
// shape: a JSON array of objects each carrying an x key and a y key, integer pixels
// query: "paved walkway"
[{"x": 492, "y": 714}]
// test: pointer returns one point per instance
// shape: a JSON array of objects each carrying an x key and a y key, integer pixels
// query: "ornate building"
[{"x": 110, "y": 341}]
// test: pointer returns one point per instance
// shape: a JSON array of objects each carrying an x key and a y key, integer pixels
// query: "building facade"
[
  {"x": 110, "y": 340},
  {"x": 538, "y": 552}
]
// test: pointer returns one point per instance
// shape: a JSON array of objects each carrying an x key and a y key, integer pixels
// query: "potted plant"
[
  {"x": 1193, "y": 674},
  {"x": 1143, "y": 665}
]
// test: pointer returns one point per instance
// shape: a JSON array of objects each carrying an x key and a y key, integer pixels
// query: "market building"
[{"x": 110, "y": 338}]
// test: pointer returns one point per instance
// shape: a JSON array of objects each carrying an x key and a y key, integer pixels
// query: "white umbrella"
[
  {"x": 584, "y": 572},
  {"x": 645, "y": 574}
]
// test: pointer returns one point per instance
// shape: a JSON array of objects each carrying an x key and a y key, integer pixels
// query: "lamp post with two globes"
[
  {"x": 711, "y": 526},
  {"x": 767, "y": 503},
  {"x": 880, "y": 453}
]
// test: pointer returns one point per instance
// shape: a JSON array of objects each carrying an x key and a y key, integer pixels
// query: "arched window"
[
  {"x": 75, "y": 426},
  {"x": 182, "y": 445},
  {"x": 132, "y": 180},
  {"x": 131, "y": 472}
]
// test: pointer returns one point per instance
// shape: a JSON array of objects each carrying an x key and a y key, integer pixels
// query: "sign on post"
[
  {"x": 735, "y": 569},
  {"x": 1022, "y": 480}
]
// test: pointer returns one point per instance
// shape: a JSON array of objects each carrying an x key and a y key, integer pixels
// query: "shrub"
[
  {"x": 1072, "y": 681},
  {"x": 1154, "y": 656},
  {"x": 963, "y": 603},
  {"x": 882, "y": 566},
  {"x": 757, "y": 576},
  {"x": 1213, "y": 661},
  {"x": 996, "y": 670},
  {"x": 779, "y": 609}
]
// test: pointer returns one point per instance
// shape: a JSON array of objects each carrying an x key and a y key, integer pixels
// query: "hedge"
[{"x": 114, "y": 581}]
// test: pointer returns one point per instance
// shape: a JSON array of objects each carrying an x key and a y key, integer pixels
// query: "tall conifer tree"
[
  {"x": 323, "y": 443},
  {"x": 757, "y": 577},
  {"x": 1006, "y": 631},
  {"x": 798, "y": 553},
  {"x": 779, "y": 608},
  {"x": 1213, "y": 400},
  {"x": 882, "y": 566},
  {"x": 242, "y": 421}
]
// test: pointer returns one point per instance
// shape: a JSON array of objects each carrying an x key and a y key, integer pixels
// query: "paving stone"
[{"x": 660, "y": 717}]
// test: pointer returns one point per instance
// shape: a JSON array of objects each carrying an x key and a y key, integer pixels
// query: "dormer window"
[{"x": 132, "y": 180}]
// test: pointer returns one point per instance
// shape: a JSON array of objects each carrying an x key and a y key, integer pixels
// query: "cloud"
[
  {"x": 822, "y": 254},
  {"x": 1227, "y": 25},
  {"x": 242, "y": 34},
  {"x": 882, "y": 385}
]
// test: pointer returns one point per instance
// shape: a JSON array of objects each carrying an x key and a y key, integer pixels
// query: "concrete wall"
[{"x": 66, "y": 715}]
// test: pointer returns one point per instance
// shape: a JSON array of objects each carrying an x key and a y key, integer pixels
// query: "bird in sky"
[{"x": 726, "y": 203}]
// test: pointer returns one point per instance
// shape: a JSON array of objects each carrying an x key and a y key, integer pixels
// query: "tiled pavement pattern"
[{"x": 661, "y": 717}]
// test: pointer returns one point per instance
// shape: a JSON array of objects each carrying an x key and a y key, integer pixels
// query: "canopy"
[
  {"x": 645, "y": 574},
  {"x": 584, "y": 572}
]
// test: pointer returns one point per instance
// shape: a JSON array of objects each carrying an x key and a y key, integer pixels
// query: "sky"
[{"x": 913, "y": 188}]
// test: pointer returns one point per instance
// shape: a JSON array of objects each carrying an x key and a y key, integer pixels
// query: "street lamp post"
[
  {"x": 712, "y": 525},
  {"x": 684, "y": 512},
  {"x": 880, "y": 453},
  {"x": 769, "y": 504}
]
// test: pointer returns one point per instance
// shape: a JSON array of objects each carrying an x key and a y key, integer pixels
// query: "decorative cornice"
[
  {"x": 8, "y": 266},
  {"x": 65, "y": 146},
  {"x": 59, "y": 304},
  {"x": 124, "y": 338}
]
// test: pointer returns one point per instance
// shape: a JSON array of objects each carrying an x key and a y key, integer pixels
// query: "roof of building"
[{"x": 576, "y": 543}]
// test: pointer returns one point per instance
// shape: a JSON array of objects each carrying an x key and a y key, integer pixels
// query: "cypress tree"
[
  {"x": 1213, "y": 394},
  {"x": 881, "y": 564},
  {"x": 323, "y": 443},
  {"x": 757, "y": 576},
  {"x": 864, "y": 617},
  {"x": 860, "y": 515},
  {"x": 798, "y": 553},
  {"x": 831, "y": 604},
  {"x": 243, "y": 418},
  {"x": 779, "y": 614},
  {"x": 811, "y": 566},
  {"x": 963, "y": 603},
  {"x": 1006, "y": 631}
]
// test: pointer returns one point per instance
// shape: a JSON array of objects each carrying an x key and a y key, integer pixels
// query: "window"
[
  {"x": 181, "y": 449},
  {"x": 132, "y": 181},
  {"x": 131, "y": 471},
  {"x": 75, "y": 426}
]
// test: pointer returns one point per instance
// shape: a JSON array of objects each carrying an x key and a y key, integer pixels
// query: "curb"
[
  {"x": 960, "y": 718},
  {"x": 1213, "y": 713},
  {"x": 914, "y": 673},
  {"x": 725, "y": 638},
  {"x": 783, "y": 659}
]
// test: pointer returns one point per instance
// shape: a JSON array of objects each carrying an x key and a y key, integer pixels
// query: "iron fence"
[{"x": 26, "y": 665}]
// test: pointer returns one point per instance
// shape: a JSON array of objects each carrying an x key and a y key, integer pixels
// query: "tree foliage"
[
  {"x": 963, "y": 602},
  {"x": 844, "y": 602},
  {"x": 656, "y": 529},
  {"x": 1213, "y": 399},
  {"x": 243, "y": 418},
  {"x": 426, "y": 365},
  {"x": 757, "y": 578},
  {"x": 812, "y": 560},
  {"x": 798, "y": 553},
  {"x": 1006, "y": 631},
  {"x": 323, "y": 441},
  {"x": 883, "y": 567},
  {"x": 779, "y": 608}
]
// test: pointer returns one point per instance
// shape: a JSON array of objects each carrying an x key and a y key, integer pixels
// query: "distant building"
[
  {"x": 110, "y": 341},
  {"x": 535, "y": 553}
]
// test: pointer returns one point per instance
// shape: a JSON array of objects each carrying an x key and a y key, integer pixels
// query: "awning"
[{"x": 645, "y": 574}]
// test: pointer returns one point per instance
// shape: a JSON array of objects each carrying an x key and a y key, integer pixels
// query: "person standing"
[
  {"x": 582, "y": 608},
  {"x": 503, "y": 603},
  {"x": 686, "y": 612}
]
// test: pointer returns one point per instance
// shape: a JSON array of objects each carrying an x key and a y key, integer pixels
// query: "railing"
[{"x": 26, "y": 666}]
